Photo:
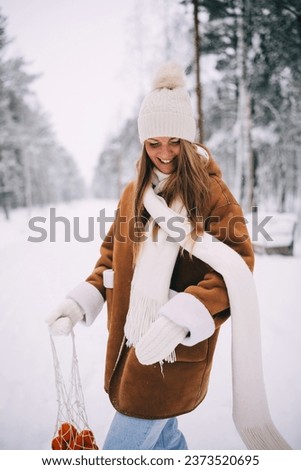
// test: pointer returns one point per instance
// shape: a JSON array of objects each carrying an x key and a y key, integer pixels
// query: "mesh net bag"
[{"x": 72, "y": 431}]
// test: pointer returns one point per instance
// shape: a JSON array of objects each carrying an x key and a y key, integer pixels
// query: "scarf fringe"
[
  {"x": 262, "y": 437},
  {"x": 142, "y": 313}
]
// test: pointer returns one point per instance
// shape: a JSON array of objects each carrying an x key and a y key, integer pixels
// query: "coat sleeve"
[
  {"x": 225, "y": 222},
  {"x": 108, "y": 245},
  {"x": 104, "y": 262}
]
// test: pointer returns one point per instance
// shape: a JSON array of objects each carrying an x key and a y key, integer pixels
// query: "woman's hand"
[
  {"x": 160, "y": 340},
  {"x": 183, "y": 319},
  {"x": 64, "y": 317}
]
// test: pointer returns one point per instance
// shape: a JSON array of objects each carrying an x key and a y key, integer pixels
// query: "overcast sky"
[{"x": 79, "y": 47}]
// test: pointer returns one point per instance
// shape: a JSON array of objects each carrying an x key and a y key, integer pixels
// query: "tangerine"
[
  {"x": 71, "y": 444},
  {"x": 58, "y": 443},
  {"x": 67, "y": 432},
  {"x": 85, "y": 440}
]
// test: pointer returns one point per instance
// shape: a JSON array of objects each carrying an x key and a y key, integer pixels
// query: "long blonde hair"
[{"x": 189, "y": 183}]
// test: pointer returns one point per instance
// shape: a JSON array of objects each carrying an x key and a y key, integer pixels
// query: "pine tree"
[
  {"x": 34, "y": 168},
  {"x": 256, "y": 102}
]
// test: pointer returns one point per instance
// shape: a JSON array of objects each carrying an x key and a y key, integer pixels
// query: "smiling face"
[{"x": 163, "y": 152}]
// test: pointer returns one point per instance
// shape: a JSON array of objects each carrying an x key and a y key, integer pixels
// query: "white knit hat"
[{"x": 167, "y": 111}]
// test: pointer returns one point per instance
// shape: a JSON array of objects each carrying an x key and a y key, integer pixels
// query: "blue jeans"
[{"x": 144, "y": 434}]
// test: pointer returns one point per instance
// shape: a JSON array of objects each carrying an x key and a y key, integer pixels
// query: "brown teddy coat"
[{"x": 144, "y": 391}]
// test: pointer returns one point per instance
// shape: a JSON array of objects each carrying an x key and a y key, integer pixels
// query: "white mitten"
[
  {"x": 160, "y": 340},
  {"x": 64, "y": 317},
  {"x": 84, "y": 302},
  {"x": 184, "y": 319},
  {"x": 187, "y": 311},
  {"x": 89, "y": 299}
]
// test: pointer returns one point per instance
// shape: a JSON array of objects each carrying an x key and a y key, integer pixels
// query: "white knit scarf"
[
  {"x": 152, "y": 276},
  {"x": 150, "y": 290}
]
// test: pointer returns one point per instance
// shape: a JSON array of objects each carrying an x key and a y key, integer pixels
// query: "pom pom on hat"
[
  {"x": 167, "y": 111},
  {"x": 169, "y": 75}
]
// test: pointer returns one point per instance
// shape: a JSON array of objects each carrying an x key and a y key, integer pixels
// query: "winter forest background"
[
  {"x": 247, "y": 93},
  {"x": 243, "y": 63}
]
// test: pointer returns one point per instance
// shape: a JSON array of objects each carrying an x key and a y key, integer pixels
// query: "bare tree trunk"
[
  {"x": 295, "y": 195},
  {"x": 197, "y": 42},
  {"x": 27, "y": 178},
  {"x": 244, "y": 174}
]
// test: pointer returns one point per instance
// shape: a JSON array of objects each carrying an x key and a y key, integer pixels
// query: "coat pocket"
[{"x": 196, "y": 353}]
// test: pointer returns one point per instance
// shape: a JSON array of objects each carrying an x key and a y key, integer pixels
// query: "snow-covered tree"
[
  {"x": 252, "y": 108},
  {"x": 34, "y": 168},
  {"x": 116, "y": 163}
]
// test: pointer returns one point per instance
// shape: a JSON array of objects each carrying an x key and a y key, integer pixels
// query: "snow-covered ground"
[{"x": 35, "y": 276}]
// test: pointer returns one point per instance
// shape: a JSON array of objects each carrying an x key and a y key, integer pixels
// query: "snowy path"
[{"x": 34, "y": 277}]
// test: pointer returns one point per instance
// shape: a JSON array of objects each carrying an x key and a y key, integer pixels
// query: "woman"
[{"x": 166, "y": 302}]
